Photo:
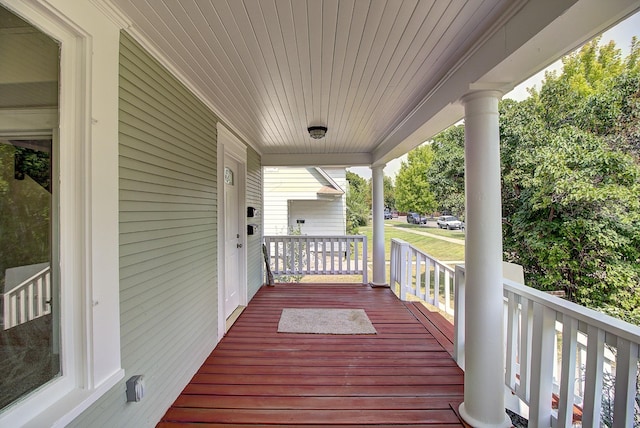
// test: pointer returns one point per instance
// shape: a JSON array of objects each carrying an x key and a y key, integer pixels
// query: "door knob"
[{"x": 238, "y": 245}]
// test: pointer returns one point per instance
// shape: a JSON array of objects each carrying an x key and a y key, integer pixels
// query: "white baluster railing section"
[
  {"x": 564, "y": 361},
  {"x": 420, "y": 275},
  {"x": 28, "y": 300},
  {"x": 317, "y": 255}
]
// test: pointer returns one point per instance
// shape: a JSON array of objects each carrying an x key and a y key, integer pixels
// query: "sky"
[{"x": 621, "y": 34}]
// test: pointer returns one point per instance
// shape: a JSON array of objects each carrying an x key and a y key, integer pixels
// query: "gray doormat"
[{"x": 325, "y": 321}]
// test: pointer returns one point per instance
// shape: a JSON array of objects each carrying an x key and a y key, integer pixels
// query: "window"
[
  {"x": 29, "y": 315},
  {"x": 59, "y": 118}
]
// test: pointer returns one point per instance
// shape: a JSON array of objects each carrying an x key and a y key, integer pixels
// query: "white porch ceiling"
[{"x": 382, "y": 75}]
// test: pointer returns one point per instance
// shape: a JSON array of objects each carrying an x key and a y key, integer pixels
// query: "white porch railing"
[
  {"x": 570, "y": 365},
  {"x": 418, "y": 274},
  {"x": 28, "y": 300},
  {"x": 317, "y": 255},
  {"x": 565, "y": 362}
]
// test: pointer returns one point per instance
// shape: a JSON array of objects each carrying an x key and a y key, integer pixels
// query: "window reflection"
[{"x": 29, "y": 343}]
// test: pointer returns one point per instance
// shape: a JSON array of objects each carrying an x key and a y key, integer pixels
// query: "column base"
[
  {"x": 506, "y": 423},
  {"x": 378, "y": 285}
]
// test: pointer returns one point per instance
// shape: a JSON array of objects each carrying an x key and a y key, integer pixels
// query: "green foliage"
[
  {"x": 358, "y": 203},
  {"x": 389, "y": 192},
  {"x": 570, "y": 158},
  {"x": 25, "y": 205},
  {"x": 446, "y": 172},
  {"x": 299, "y": 260},
  {"x": 413, "y": 192},
  {"x": 571, "y": 181}
]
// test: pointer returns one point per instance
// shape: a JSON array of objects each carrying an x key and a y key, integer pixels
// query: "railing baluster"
[
  {"x": 544, "y": 335},
  {"x": 568, "y": 373},
  {"x": 22, "y": 304},
  {"x": 427, "y": 280},
  {"x": 436, "y": 285},
  {"x": 593, "y": 377},
  {"x": 447, "y": 292},
  {"x": 526, "y": 329},
  {"x": 30, "y": 303},
  {"x": 459, "y": 317},
  {"x": 419, "y": 261},
  {"x": 625, "y": 388},
  {"x": 365, "y": 261},
  {"x": 512, "y": 341}
]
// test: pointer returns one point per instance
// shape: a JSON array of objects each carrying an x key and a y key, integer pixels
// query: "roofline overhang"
[
  {"x": 316, "y": 159},
  {"x": 521, "y": 47}
]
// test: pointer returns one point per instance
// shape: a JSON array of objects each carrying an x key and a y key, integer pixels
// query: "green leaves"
[
  {"x": 571, "y": 181},
  {"x": 413, "y": 191}
]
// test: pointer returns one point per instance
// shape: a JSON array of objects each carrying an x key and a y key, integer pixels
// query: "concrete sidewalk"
[{"x": 425, "y": 233}]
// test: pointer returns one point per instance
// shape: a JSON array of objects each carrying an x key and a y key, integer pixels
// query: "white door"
[{"x": 232, "y": 238}]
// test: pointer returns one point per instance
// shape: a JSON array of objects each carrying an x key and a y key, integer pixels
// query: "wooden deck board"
[{"x": 401, "y": 376}]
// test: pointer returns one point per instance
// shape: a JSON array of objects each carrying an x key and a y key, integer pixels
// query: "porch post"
[
  {"x": 379, "y": 272},
  {"x": 483, "y": 404}
]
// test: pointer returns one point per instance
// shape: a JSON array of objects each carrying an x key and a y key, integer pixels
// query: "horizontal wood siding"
[
  {"x": 285, "y": 186},
  {"x": 255, "y": 261},
  {"x": 168, "y": 239},
  {"x": 320, "y": 217}
]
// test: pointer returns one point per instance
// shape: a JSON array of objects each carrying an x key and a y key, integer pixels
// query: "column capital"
[
  {"x": 379, "y": 167},
  {"x": 481, "y": 93}
]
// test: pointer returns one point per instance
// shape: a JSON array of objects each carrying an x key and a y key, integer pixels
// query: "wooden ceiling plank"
[
  {"x": 383, "y": 45},
  {"x": 327, "y": 52},
  {"x": 373, "y": 18},
  {"x": 343, "y": 26},
  {"x": 292, "y": 76}
]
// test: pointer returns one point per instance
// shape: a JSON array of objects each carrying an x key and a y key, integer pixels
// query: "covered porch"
[{"x": 403, "y": 375}]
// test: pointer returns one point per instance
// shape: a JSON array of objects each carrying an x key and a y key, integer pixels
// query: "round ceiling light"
[{"x": 317, "y": 132}]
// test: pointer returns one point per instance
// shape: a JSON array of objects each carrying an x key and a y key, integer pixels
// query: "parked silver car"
[{"x": 449, "y": 222}]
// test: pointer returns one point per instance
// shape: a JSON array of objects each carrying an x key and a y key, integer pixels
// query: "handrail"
[
  {"x": 558, "y": 352},
  {"x": 564, "y": 361},
  {"x": 28, "y": 300},
  {"x": 298, "y": 255},
  {"x": 409, "y": 267}
]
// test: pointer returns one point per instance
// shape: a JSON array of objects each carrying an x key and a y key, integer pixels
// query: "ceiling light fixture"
[{"x": 317, "y": 132}]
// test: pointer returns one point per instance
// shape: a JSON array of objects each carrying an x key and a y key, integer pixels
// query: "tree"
[
  {"x": 389, "y": 192},
  {"x": 571, "y": 181},
  {"x": 413, "y": 192},
  {"x": 570, "y": 157},
  {"x": 25, "y": 206},
  {"x": 358, "y": 206},
  {"x": 446, "y": 172}
]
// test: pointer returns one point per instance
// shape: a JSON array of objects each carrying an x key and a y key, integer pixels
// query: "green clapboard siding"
[
  {"x": 168, "y": 238},
  {"x": 255, "y": 267}
]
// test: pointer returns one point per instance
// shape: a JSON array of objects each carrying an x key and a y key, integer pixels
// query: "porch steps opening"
[{"x": 441, "y": 329}]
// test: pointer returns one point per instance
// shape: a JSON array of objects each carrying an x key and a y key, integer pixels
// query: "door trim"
[{"x": 229, "y": 145}]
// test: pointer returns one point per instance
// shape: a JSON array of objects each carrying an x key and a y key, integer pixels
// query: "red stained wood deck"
[{"x": 404, "y": 375}]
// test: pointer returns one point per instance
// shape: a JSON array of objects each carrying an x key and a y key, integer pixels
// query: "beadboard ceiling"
[{"x": 382, "y": 75}]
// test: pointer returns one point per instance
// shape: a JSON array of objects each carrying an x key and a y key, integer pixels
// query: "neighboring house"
[{"x": 309, "y": 200}]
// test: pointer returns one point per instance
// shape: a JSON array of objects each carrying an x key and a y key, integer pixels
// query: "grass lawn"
[{"x": 441, "y": 250}]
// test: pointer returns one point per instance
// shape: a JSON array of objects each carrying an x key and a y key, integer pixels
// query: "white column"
[
  {"x": 483, "y": 404},
  {"x": 377, "y": 182}
]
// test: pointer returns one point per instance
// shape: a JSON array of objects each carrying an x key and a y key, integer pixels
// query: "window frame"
[{"x": 87, "y": 212}]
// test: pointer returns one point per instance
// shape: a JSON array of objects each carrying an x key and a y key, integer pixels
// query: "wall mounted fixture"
[
  {"x": 135, "y": 388},
  {"x": 252, "y": 229},
  {"x": 317, "y": 132}
]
